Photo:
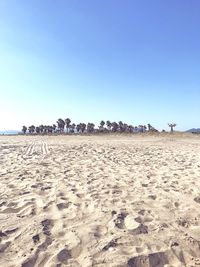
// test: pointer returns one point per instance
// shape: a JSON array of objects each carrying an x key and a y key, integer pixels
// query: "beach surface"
[{"x": 105, "y": 201}]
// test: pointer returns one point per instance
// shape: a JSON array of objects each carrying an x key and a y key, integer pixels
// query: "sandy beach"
[{"x": 112, "y": 201}]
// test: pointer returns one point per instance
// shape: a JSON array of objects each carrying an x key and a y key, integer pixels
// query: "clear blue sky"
[{"x": 135, "y": 60}]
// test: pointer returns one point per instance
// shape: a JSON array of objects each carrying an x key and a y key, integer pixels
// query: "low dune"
[{"x": 113, "y": 201}]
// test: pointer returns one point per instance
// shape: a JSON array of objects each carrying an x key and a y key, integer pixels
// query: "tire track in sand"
[
  {"x": 44, "y": 148},
  {"x": 30, "y": 149}
]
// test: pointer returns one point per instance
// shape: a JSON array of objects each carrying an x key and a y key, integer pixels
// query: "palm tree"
[
  {"x": 41, "y": 128},
  {"x": 31, "y": 129},
  {"x": 82, "y": 127},
  {"x": 37, "y": 129},
  {"x": 61, "y": 125},
  {"x": 130, "y": 128},
  {"x": 78, "y": 127},
  {"x": 102, "y": 123},
  {"x": 141, "y": 128},
  {"x": 101, "y": 127},
  {"x": 72, "y": 127},
  {"x": 45, "y": 128},
  {"x": 24, "y": 129},
  {"x": 149, "y": 127},
  {"x": 109, "y": 125},
  {"x": 125, "y": 128},
  {"x": 50, "y": 129},
  {"x": 172, "y": 125},
  {"x": 154, "y": 130},
  {"x": 67, "y": 123},
  {"x": 114, "y": 126},
  {"x": 54, "y": 127},
  {"x": 90, "y": 127},
  {"x": 121, "y": 126}
]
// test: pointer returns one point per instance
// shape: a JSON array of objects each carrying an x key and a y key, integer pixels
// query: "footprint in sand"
[
  {"x": 64, "y": 255},
  {"x": 63, "y": 205},
  {"x": 151, "y": 260},
  {"x": 47, "y": 224},
  {"x": 197, "y": 199}
]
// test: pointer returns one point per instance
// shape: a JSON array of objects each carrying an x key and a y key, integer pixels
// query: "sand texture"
[{"x": 99, "y": 201}]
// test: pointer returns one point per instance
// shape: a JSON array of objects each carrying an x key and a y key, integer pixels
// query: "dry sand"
[{"x": 99, "y": 201}]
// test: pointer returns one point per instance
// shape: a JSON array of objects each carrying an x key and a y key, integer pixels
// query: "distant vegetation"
[
  {"x": 67, "y": 126},
  {"x": 194, "y": 131}
]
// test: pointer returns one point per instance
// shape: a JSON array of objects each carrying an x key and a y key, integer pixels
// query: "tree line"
[{"x": 66, "y": 125}]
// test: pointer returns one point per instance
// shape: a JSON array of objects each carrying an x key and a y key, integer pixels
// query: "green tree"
[
  {"x": 130, "y": 128},
  {"x": 90, "y": 127},
  {"x": 109, "y": 125},
  {"x": 121, "y": 126},
  {"x": 54, "y": 127},
  {"x": 83, "y": 127},
  {"x": 72, "y": 127},
  {"x": 78, "y": 127},
  {"x": 31, "y": 129},
  {"x": 67, "y": 123},
  {"x": 61, "y": 125},
  {"x": 115, "y": 126},
  {"x": 41, "y": 128},
  {"x": 24, "y": 129},
  {"x": 37, "y": 129}
]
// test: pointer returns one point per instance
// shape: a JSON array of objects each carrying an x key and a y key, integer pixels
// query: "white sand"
[{"x": 99, "y": 201}]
